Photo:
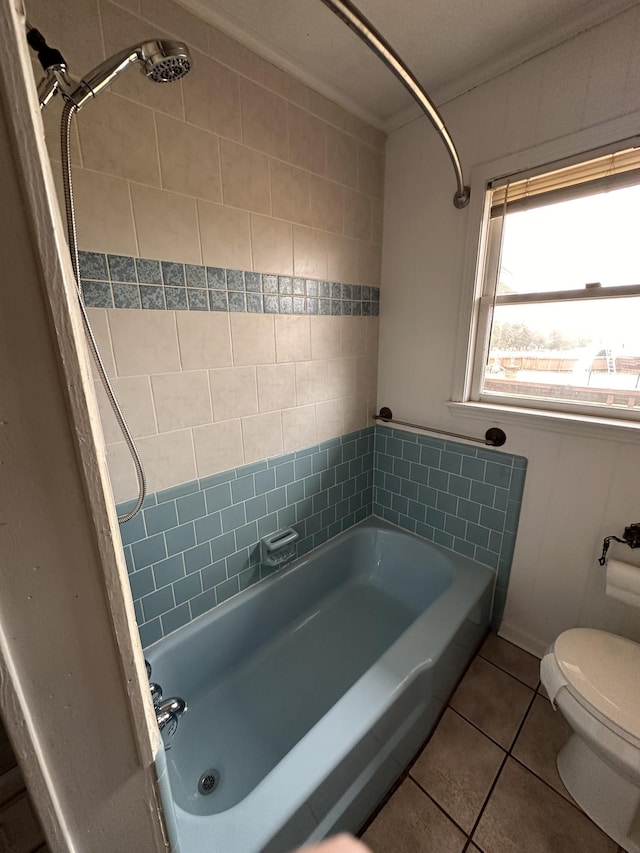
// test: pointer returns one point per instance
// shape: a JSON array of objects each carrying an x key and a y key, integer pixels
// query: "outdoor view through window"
[{"x": 559, "y": 334}]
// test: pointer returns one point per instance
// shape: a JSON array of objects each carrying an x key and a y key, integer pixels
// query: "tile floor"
[{"x": 486, "y": 779}]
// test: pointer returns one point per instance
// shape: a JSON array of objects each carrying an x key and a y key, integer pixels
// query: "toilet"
[{"x": 593, "y": 678}]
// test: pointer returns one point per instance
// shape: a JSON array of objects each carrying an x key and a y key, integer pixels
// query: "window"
[{"x": 559, "y": 310}]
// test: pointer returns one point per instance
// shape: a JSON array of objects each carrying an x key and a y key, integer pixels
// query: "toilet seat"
[{"x": 602, "y": 673}]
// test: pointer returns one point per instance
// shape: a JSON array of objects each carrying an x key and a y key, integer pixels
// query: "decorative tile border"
[
  {"x": 465, "y": 498},
  {"x": 119, "y": 281},
  {"x": 195, "y": 545}
]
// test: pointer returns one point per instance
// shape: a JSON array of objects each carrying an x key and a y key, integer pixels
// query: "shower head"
[{"x": 161, "y": 60}]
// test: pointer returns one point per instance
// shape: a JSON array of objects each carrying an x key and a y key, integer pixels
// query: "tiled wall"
[
  {"x": 118, "y": 281},
  {"x": 237, "y": 165},
  {"x": 195, "y": 545},
  {"x": 247, "y": 210},
  {"x": 465, "y": 498}
]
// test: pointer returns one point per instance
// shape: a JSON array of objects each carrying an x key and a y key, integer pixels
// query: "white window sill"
[{"x": 562, "y": 422}]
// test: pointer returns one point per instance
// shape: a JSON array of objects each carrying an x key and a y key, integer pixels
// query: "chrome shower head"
[{"x": 162, "y": 61}]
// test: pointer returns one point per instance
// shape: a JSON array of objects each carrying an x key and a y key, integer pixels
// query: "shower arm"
[{"x": 363, "y": 28}]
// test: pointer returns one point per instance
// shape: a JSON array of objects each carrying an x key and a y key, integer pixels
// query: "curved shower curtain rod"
[{"x": 363, "y": 28}]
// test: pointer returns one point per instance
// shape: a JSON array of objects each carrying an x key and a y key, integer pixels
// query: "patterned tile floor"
[{"x": 486, "y": 779}]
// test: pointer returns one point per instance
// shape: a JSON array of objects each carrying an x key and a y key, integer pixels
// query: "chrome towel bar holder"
[{"x": 493, "y": 437}]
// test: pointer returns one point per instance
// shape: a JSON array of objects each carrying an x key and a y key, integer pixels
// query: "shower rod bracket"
[
  {"x": 364, "y": 29},
  {"x": 493, "y": 437}
]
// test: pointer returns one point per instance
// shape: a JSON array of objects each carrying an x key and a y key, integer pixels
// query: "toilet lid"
[{"x": 605, "y": 670}]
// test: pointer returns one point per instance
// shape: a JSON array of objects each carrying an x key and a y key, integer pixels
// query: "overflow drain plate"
[{"x": 208, "y": 782}]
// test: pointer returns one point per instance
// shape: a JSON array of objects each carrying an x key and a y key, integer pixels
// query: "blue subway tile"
[
  {"x": 478, "y": 535},
  {"x": 495, "y": 542},
  {"x": 169, "y": 570},
  {"x": 409, "y": 490},
  {"x": 430, "y": 456},
  {"x": 469, "y": 510},
  {"x": 487, "y": 558},
  {"x": 128, "y": 558},
  {"x": 141, "y": 582},
  {"x": 498, "y": 475},
  {"x": 311, "y": 485},
  {"x": 191, "y": 507},
  {"x": 249, "y": 577},
  {"x": 410, "y": 451},
  {"x": 501, "y": 498},
  {"x": 460, "y": 486},
  {"x": 251, "y": 468},
  {"x": 150, "y": 633},
  {"x": 451, "y": 462},
  {"x": 121, "y": 268},
  {"x": 439, "y": 479},
  {"x": 243, "y": 488},
  {"x": 328, "y": 478},
  {"x": 218, "y": 497},
  {"x": 425, "y": 530},
  {"x": 159, "y": 518},
  {"x": 208, "y": 527},
  {"x": 461, "y": 546},
  {"x": 392, "y": 483},
  {"x": 512, "y": 516},
  {"x": 295, "y": 492},
  {"x": 148, "y": 551},
  {"x": 232, "y": 517},
  {"x": 180, "y": 538},
  {"x": 443, "y": 538},
  {"x": 320, "y": 501},
  {"x": 483, "y": 493},
  {"x": 419, "y": 473},
  {"x": 132, "y": 530},
  {"x": 427, "y": 495},
  {"x": 139, "y": 614},
  {"x": 197, "y": 558},
  {"x": 247, "y": 535},
  {"x": 447, "y": 503},
  {"x": 435, "y": 518},
  {"x": 265, "y": 481},
  {"x": 417, "y": 511},
  {"x": 401, "y": 468},
  {"x": 400, "y": 504},
  {"x": 285, "y": 474},
  {"x": 226, "y": 589},
  {"x": 473, "y": 468},
  {"x": 158, "y": 602},
  {"x": 303, "y": 467},
  {"x": 517, "y": 482},
  {"x": 223, "y": 546},
  {"x": 175, "y": 618},
  {"x": 237, "y": 562},
  {"x": 494, "y": 519},
  {"x": 455, "y": 526},
  {"x": 277, "y": 499},
  {"x": 174, "y": 492},
  {"x": 268, "y": 524},
  {"x": 202, "y": 603},
  {"x": 187, "y": 588},
  {"x": 256, "y": 508},
  {"x": 215, "y": 574}
]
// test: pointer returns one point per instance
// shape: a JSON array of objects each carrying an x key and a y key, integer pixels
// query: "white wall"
[{"x": 579, "y": 488}]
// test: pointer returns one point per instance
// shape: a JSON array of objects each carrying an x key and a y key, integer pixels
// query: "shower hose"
[{"x": 68, "y": 112}]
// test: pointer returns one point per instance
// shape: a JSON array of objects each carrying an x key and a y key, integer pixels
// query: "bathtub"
[{"x": 310, "y": 693}]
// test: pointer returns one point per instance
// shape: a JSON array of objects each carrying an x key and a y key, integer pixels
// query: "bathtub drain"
[{"x": 208, "y": 782}]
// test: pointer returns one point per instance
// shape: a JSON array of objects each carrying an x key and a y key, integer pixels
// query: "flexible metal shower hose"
[{"x": 65, "y": 132}]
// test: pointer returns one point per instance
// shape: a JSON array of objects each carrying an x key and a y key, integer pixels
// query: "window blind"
[{"x": 612, "y": 171}]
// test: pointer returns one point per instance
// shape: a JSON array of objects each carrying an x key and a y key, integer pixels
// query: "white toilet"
[{"x": 593, "y": 678}]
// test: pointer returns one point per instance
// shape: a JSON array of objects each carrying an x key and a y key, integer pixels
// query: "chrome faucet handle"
[
  {"x": 169, "y": 711},
  {"x": 156, "y": 694}
]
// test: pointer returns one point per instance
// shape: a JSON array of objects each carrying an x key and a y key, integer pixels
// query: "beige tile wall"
[
  {"x": 310, "y": 379},
  {"x": 242, "y": 166},
  {"x": 238, "y": 165}
]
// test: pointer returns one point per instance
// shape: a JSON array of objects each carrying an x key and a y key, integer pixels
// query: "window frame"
[{"x": 482, "y": 260}]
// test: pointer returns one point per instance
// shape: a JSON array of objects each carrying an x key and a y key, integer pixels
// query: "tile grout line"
[
  {"x": 439, "y": 807},
  {"x": 499, "y": 773},
  {"x": 506, "y": 671}
]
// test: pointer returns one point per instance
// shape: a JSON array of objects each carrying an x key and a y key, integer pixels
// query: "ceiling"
[{"x": 450, "y": 45}]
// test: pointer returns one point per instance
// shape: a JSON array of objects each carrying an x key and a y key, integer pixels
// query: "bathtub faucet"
[{"x": 168, "y": 712}]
